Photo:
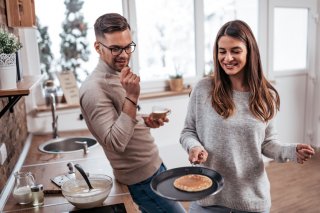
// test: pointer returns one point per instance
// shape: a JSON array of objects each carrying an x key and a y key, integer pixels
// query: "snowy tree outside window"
[
  {"x": 45, "y": 53},
  {"x": 54, "y": 17},
  {"x": 74, "y": 44}
]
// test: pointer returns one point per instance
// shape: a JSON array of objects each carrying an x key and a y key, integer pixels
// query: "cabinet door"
[{"x": 21, "y": 13}]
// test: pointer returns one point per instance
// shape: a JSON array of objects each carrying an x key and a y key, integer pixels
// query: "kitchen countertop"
[{"x": 45, "y": 166}]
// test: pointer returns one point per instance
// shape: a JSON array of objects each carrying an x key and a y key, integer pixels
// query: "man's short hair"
[{"x": 110, "y": 22}]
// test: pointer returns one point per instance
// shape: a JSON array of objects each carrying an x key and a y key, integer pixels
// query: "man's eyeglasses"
[{"x": 115, "y": 51}]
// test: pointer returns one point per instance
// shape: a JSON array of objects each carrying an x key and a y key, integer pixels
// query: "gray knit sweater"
[{"x": 235, "y": 146}]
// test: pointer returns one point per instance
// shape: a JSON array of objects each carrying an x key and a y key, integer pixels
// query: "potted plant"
[
  {"x": 176, "y": 81},
  {"x": 9, "y": 45}
]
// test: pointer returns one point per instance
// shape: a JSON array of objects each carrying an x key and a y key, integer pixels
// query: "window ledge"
[
  {"x": 163, "y": 94},
  {"x": 143, "y": 96}
]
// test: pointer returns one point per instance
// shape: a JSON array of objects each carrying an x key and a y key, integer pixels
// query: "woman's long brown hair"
[{"x": 264, "y": 99}]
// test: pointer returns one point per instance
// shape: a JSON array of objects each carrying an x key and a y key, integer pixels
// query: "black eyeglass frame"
[{"x": 112, "y": 49}]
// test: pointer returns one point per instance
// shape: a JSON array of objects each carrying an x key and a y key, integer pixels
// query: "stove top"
[{"x": 116, "y": 208}]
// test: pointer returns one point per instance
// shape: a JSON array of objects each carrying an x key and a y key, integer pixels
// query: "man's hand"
[
  {"x": 131, "y": 83},
  {"x": 154, "y": 123}
]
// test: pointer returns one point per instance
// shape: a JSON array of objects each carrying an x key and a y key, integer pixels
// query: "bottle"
[
  {"x": 37, "y": 195},
  {"x": 50, "y": 88},
  {"x": 22, "y": 188}
]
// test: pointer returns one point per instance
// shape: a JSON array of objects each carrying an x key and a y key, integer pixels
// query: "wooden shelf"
[{"x": 23, "y": 88}]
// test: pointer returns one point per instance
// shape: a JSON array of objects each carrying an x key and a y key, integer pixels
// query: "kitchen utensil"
[
  {"x": 162, "y": 184},
  {"x": 84, "y": 175},
  {"x": 52, "y": 191},
  {"x": 22, "y": 187},
  {"x": 59, "y": 180},
  {"x": 77, "y": 193}
]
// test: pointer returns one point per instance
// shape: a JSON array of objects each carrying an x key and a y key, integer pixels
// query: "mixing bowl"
[{"x": 76, "y": 191}]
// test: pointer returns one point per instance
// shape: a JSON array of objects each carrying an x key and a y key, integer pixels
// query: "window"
[
  {"x": 217, "y": 13},
  {"x": 165, "y": 32},
  {"x": 290, "y": 39}
]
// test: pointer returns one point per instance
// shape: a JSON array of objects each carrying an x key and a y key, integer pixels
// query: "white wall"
[
  {"x": 170, "y": 132},
  {"x": 292, "y": 108},
  {"x": 68, "y": 120},
  {"x": 167, "y": 136}
]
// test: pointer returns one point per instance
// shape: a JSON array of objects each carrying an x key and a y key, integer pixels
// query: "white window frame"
[{"x": 311, "y": 46}]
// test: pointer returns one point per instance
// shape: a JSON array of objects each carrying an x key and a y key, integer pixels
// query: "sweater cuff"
[
  {"x": 289, "y": 151},
  {"x": 191, "y": 143}
]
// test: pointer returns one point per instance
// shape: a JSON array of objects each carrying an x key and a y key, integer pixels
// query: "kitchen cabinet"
[
  {"x": 23, "y": 88},
  {"x": 21, "y": 13}
]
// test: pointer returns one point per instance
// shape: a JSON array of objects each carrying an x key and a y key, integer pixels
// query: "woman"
[{"x": 230, "y": 124}]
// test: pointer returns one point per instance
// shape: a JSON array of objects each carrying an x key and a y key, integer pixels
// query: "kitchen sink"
[{"x": 68, "y": 145}]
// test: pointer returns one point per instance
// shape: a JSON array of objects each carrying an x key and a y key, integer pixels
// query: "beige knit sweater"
[{"x": 127, "y": 142}]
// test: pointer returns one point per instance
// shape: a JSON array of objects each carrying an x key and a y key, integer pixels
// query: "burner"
[{"x": 116, "y": 208}]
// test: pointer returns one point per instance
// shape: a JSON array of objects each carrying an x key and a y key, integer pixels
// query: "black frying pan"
[{"x": 162, "y": 184}]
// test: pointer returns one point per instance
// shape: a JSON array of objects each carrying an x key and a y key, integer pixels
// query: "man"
[{"x": 108, "y": 100}]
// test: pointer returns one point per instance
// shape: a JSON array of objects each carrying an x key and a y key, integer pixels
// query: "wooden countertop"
[{"x": 45, "y": 166}]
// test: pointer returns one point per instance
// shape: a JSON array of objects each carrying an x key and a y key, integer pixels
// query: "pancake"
[{"x": 192, "y": 183}]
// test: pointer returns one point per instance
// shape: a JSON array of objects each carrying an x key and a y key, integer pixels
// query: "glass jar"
[
  {"x": 37, "y": 195},
  {"x": 22, "y": 188},
  {"x": 50, "y": 88}
]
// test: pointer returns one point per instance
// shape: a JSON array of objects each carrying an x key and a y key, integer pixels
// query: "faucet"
[
  {"x": 54, "y": 117},
  {"x": 85, "y": 146}
]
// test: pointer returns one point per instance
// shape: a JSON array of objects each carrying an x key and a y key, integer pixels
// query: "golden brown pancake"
[{"x": 193, "y": 183}]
